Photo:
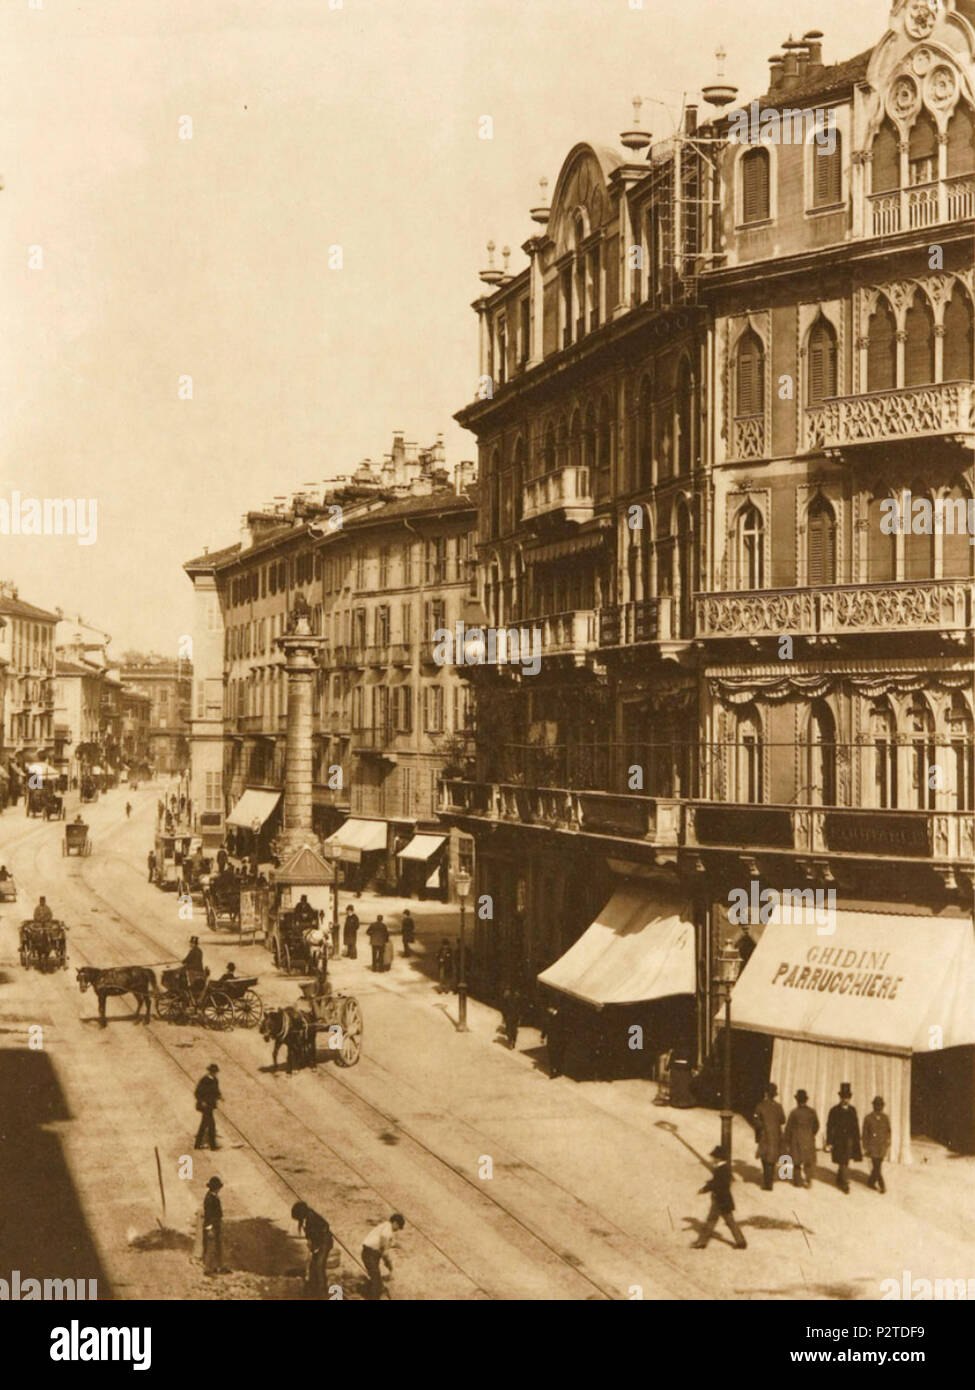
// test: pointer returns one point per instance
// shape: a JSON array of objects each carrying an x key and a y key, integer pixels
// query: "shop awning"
[
  {"x": 422, "y": 847},
  {"x": 882, "y": 982},
  {"x": 640, "y": 947},
  {"x": 362, "y": 835},
  {"x": 254, "y": 805}
]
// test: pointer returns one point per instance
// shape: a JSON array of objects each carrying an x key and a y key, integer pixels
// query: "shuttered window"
[
  {"x": 959, "y": 347},
  {"x": 821, "y": 380},
  {"x": 828, "y": 172},
  {"x": 919, "y": 348},
  {"x": 755, "y": 186},
  {"x": 961, "y": 142},
  {"x": 886, "y": 162},
  {"x": 750, "y": 376},
  {"x": 882, "y": 349},
  {"x": 821, "y": 544}
]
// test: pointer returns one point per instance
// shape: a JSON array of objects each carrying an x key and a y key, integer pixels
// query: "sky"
[{"x": 133, "y": 259}]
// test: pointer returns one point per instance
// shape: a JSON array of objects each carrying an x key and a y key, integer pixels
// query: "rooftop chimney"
[
  {"x": 775, "y": 72},
  {"x": 790, "y": 65},
  {"x": 813, "y": 39},
  {"x": 690, "y": 119}
]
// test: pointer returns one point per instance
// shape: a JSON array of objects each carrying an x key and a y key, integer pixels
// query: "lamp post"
[
  {"x": 462, "y": 884},
  {"x": 728, "y": 965}
]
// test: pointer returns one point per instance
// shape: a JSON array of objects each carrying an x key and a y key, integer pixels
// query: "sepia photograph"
[{"x": 487, "y": 699}]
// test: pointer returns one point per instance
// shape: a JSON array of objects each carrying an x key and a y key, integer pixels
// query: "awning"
[
  {"x": 306, "y": 868},
  {"x": 422, "y": 847},
  {"x": 362, "y": 835},
  {"x": 879, "y": 981},
  {"x": 253, "y": 806},
  {"x": 640, "y": 947}
]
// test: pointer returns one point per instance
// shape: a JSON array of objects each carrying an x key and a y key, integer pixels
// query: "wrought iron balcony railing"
[
  {"x": 944, "y": 408},
  {"x": 912, "y": 605}
]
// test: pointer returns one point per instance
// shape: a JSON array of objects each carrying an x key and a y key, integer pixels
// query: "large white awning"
[{"x": 255, "y": 805}]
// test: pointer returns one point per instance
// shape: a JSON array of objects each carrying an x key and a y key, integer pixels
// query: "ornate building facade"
[{"x": 727, "y": 370}]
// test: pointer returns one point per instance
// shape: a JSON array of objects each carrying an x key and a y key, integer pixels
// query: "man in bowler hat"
[
  {"x": 768, "y": 1122},
  {"x": 876, "y": 1142},
  {"x": 722, "y": 1202},
  {"x": 843, "y": 1137},
  {"x": 801, "y": 1129}
]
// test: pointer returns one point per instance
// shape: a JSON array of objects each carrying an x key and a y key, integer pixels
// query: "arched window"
[
  {"x": 959, "y": 343},
  {"x": 919, "y": 348},
  {"x": 820, "y": 544},
  {"x": 882, "y": 348},
  {"x": 821, "y": 362},
  {"x": 918, "y": 544},
  {"x": 828, "y": 171},
  {"x": 881, "y": 543},
  {"x": 957, "y": 551},
  {"x": 683, "y": 416},
  {"x": 644, "y": 435},
  {"x": 749, "y": 760},
  {"x": 575, "y": 440},
  {"x": 548, "y": 449},
  {"x": 821, "y": 756},
  {"x": 886, "y": 159},
  {"x": 750, "y": 375},
  {"x": 755, "y": 185},
  {"x": 589, "y": 445},
  {"x": 923, "y": 754},
  {"x": 961, "y": 141},
  {"x": 751, "y": 548},
  {"x": 883, "y": 731},
  {"x": 960, "y": 734},
  {"x": 922, "y": 151}
]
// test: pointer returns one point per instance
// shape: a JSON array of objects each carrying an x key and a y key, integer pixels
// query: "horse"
[
  {"x": 137, "y": 980},
  {"x": 289, "y": 1027}
]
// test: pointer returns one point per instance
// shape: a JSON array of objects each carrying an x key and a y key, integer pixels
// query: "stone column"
[{"x": 300, "y": 647}]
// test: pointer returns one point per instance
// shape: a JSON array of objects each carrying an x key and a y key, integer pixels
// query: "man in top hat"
[
  {"x": 843, "y": 1137},
  {"x": 207, "y": 1096},
  {"x": 213, "y": 1229},
  {"x": 801, "y": 1129},
  {"x": 193, "y": 960},
  {"x": 876, "y": 1142},
  {"x": 722, "y": 1202},
  {"x": 350, "y": 932},
  {"x": 768, "y": 1123}
]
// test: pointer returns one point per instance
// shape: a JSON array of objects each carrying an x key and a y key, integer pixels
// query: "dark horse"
[
  {"x": 289, "y": 1028},
  {"x": 137, "y": 980}
]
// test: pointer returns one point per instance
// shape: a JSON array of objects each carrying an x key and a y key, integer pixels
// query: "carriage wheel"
[
  {"x": 351, "y": 1020},
  {"x": 170, "y": 1008},
  {"x": 218, "y": 1011},
  {"x": 248, "y": 1009}
]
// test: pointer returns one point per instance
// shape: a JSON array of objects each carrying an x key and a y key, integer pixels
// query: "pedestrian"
[
  {"x": 152, "y": 865},
  {"x": 555, "y": 1038},
  {"x": 407, "y": 931},
  {"x": 318, "y": 1234},
  {"x": 445, "y": 967},
  {"x": 876, "y": 1142},
  {"x": 160, "y": 808},
  {"x": 350, "y": 932},
  {"x": 768, "y": 1124},
  {"x": 375, "y": 1253},
  {"x": 722, "y": 1202},
  {"x": 745, "y": 946},
  {"x": 193, "y": 960},
  {"x": 207, "y": 1096},
  {"x": 801, "y": 1129},
  {"x": 128, "y": 809},
  {"x": 213, "y": 1229},
  {"x": 843, "y": 1137},
  {"x": 378, "y": 935},
  {"x": 336, "y": 929},
  {"x": 511, "y": 1014}
]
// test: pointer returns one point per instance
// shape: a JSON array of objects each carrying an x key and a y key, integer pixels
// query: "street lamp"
[
  {"x": 462, "y": 884},
  {"x": 728, "y": 964}
]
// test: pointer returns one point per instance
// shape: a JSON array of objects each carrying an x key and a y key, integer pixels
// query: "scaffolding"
[{"x": 684, "y": 215}]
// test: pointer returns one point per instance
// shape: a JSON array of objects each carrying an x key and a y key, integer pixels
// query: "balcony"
[
  {"x": 748, "y": 437},
  {"x": 574, "y": 634},
  {"x": 909, "y": 209},
  {"x": 372, "y": 740},
  {"x": 567, "y": 490},
  {"x": 880, "y": 417},
  {"x": 635, "y": 818},
  {"x": 627, "y": 624},
  {"x": 913, "y": 605}
]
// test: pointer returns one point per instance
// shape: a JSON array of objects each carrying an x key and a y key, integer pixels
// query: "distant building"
[
  {"x": 168, "y": 684},
  {"x": 27, "y": 651}
]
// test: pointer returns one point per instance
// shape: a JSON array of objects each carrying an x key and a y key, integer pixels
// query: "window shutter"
[
  {"x": 886, "y": 163},
  {"x": 828, "y": 166},
  {"x": 882, "y": 350},
  {"x": 755, "y": 186},
  {"x": 919, "y": 348}
]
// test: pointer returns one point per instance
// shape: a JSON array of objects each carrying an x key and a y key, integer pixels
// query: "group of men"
[
  {"x": 378, "y": 933},
  {"x": 796, "y": 1137}
]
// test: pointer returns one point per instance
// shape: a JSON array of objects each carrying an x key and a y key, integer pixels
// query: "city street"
[{"x": 513, "y": 1185}]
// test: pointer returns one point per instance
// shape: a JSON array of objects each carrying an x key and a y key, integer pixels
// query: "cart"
[
  {"x": 291, "y": 949},
  {"x": 8, "y": 889},
  {"x": 338, "y": 1015},
  {"x": 76, "y": 839},
  {"x": 190, "y": 996},
  {"x": 248, "y": 1005},
  {"x": 89, "y": 789},
  {"x": 44, "y": 801},
  {"x": 43, "y": 945},
  {"x": 171, "y": 849},
  {"x": 221, "y": 898}
]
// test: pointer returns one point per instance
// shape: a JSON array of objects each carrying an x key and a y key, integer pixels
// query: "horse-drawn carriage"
[
  {"x": 296, "y": 1028},
  {"x": 43, "y": 945},
  {"x": 292, "y": 949},
  {"x": 191, "y": 996},
  {"x": 89, "y": 788},
  {"x": 77, "y": 840},
  {"x": 170, "y": 850},
  {"x": 8, "y": 888},
  {"x": 221, "y": 899},
  {"x": 46, "y": 802}
]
